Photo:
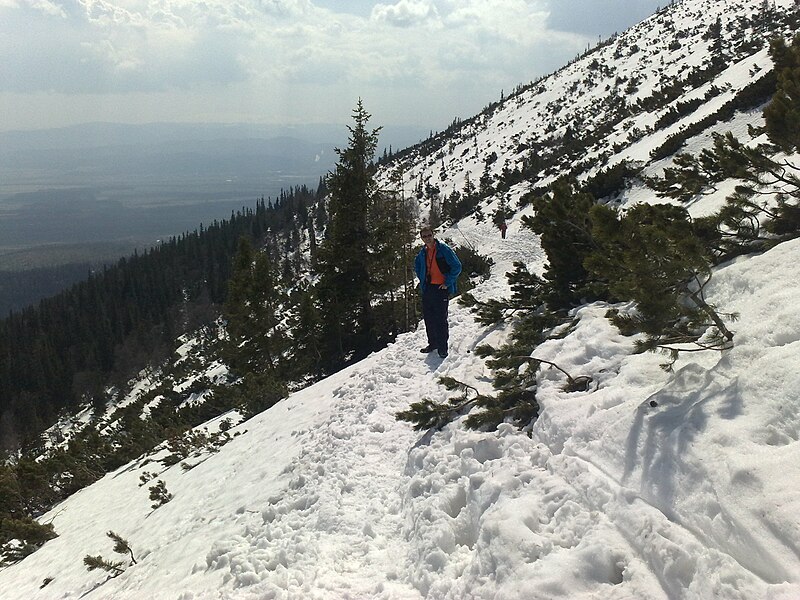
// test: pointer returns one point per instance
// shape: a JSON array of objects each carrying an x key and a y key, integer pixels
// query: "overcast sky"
[{"x": 413, "y": 62}]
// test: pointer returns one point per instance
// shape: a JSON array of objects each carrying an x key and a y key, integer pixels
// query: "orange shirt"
[{"x": 434, "y": 274}]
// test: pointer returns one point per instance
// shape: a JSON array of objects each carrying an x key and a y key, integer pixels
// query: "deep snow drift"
[{"x": 649, "y": 486}]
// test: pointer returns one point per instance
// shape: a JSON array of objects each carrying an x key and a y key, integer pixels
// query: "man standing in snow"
[{"x": 437, "y": 268}]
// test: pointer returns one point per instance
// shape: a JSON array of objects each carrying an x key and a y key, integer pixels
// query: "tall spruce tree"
[{"x": 344, "y": 262}]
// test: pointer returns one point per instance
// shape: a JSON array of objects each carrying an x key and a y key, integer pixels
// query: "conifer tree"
[
  {"x": 539, "y": 304},
  {"x": 653, "y": 256},
  {"x": 502, "y": 213},
  {"x": 251, "y": 310},
  {"x": 257, "y": 346},
  {"x": 344, "y": 261},
  {"x": 769, "y": 197},
  {"x": 121, "y": 546},
  {"x": 159, "y": 494},
  {"x": 562, "y": 221},
  {"x": 392, "y": 226},
  {"x": 691, "y": 176},
  {"x": 19, "y": 533},
  {"x": 305, "y": 329}
]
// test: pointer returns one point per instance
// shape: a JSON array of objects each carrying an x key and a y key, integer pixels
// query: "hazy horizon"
[{"x": 104, "y": 182}]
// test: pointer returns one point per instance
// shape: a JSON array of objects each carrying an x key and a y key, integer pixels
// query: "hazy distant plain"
[
  {"x": 123, "y": 216},
  {"x": 93, "y": 193},
  {"x": 112, "y": 186}
]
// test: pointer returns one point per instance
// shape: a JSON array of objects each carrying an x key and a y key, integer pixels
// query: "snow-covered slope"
[
  {"x": 610, "y": 100},
  {"x": 650, "y": 485}
]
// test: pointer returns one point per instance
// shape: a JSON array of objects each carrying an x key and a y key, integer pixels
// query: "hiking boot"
[
  {"x": 427, "y": 349},
  {"x": 442, "y": 353}
]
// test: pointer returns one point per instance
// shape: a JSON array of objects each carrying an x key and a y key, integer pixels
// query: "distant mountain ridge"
[
  {"x": 146, "y": 182},
  {"x": 100, "y": 134}
]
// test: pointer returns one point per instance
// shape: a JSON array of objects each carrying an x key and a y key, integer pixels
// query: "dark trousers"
[{"x": 434, "y": 312}]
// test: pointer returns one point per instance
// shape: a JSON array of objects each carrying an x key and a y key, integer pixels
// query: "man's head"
[{"x": 426, "y": 233}]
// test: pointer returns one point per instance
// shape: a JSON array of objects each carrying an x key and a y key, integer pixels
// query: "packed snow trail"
[
  {"x": 338, "y": 521},
  {"x": 375, "y": 510},
  {"x": 337, "y": 526}
]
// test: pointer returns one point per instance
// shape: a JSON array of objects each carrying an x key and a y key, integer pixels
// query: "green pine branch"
[
  {"x": 121, "y": 546},
  {"x": 98, "y": 562}
]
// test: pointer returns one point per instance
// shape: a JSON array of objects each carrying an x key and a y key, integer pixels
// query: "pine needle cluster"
[
  {"x": 519, "y": 406},
  {"x": 121, "y": 546},
  {"x": 427, "y": 414},
  {"x": 159, "y": 494}
]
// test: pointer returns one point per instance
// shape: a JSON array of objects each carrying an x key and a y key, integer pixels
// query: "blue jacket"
[{"x": 448, "y": 263}]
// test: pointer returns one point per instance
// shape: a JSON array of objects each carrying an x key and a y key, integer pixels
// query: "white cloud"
[
  {"x": 103, "y": 47},
  {"x": 284, "y": 8},
  {"x": 274, "y": 59},
  {"x": 405, "y": 13},
  {"x": 45, "y": 6}
]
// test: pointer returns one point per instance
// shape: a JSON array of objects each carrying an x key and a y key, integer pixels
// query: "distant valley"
[{"x": 78, "y": 197}]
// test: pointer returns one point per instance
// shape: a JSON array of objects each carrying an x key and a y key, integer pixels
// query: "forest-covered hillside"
[{"x": 66, "y": 350}]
